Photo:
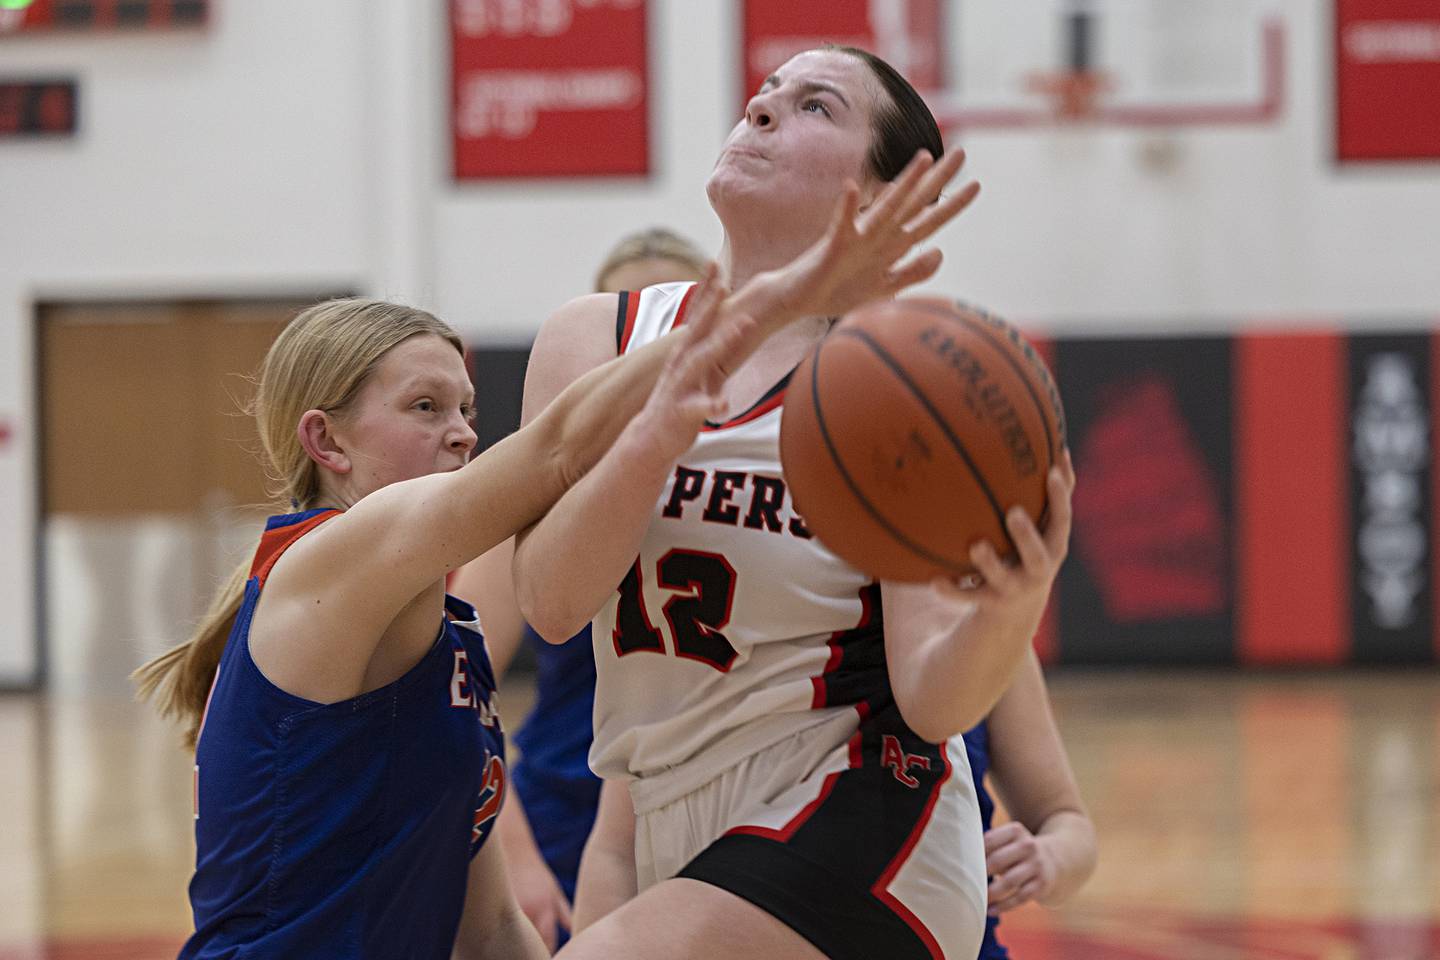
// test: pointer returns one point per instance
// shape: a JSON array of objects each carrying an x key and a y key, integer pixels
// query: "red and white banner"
[
  {"x": 1387, "y": 80},
  {"x": 546, "y": 88},
  {"x": 906, "y": 33}
]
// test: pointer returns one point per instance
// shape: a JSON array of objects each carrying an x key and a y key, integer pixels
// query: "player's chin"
[{"x": 730, "y": 185}]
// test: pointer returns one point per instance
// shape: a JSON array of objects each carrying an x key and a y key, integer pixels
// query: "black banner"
[{"x": 1149, "y": 576}]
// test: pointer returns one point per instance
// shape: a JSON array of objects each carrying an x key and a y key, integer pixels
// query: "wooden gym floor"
[{"x": 1274, "y": 816}]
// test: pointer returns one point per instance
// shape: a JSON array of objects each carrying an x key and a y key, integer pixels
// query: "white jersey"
[{"x": 735, "y": 628}]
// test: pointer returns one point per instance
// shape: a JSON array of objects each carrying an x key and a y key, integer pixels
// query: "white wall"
[
  {"x": 300, "y": 147},
  {"x": 228, "y": 162}
]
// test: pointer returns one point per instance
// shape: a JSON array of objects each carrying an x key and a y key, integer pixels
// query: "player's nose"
[{"x": 760, "y": 111}]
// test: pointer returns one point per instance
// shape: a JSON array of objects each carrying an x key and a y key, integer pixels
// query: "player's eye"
[{"x": 810, "y": 105}]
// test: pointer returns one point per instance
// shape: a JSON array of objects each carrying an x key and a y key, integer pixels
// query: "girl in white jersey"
[{"x": 784, "y": 725}]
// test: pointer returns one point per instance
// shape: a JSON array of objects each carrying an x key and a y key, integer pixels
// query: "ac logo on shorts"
[{"x": 892, "y": 755}]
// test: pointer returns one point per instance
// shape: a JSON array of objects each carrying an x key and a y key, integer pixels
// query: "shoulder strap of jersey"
[
  {"x": 645, "y": 316},
  {"x": 280, "y": 535}
]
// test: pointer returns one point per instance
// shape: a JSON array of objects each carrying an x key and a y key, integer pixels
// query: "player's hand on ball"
[
  {"x": 860, "y": 257},
  {"x": 1014, "y": 594},
  {"x": 1020, "y": 867}
]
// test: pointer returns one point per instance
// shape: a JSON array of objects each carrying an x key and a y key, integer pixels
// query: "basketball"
[{"x": 911, "y": 430}]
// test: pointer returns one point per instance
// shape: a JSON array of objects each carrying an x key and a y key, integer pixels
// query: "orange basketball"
[{"x": 911, "y": 430}]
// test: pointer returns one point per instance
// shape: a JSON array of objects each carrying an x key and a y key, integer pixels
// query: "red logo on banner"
[
  {"x": 906, "y": 33},
  {"x": 549, "y": 88},
  {"x": 1148, "y": 520},
  {"x": 1387, "y": 79}
]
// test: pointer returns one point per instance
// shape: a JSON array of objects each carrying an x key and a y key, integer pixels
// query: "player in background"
[
  {"x": 348, "y": 754},
  {"x": 789, "y": 740},
  {"x": 544, "y": 826},
  {"x": 1046, "y": 850}
]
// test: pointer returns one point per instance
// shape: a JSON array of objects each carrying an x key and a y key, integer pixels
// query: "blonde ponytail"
[
  {"x": 319, "y": 362},
  {"x": 178, "y": 681}
]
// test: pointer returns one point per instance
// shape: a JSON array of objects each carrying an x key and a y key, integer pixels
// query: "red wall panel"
[{"x": 1292, "y": 499}]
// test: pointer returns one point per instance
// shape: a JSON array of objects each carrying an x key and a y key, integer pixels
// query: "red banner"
[
  {"x": 906, "y": 33},
  {"x": 1387, "y": 80},
  {"x": 547, "y": 88}
]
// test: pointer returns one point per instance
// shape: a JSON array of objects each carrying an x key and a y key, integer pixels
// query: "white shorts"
[{"x": 860, "y": 836}]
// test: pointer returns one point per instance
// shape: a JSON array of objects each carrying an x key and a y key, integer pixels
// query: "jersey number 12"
[{"x": 705, "y": 585}]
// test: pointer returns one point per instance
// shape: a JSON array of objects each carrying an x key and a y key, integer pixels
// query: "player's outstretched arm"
[
  {"x": 861, "y": 257},
  {"x": 1048, "y": 850},
  {"x": 346, "y": 582},
  {"x": 403, "y": 538}
]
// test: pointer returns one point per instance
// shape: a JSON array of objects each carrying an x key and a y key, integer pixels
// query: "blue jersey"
[
  {"x": 553, "y": 774},
  {"x": 342, "y": 829},
  {"x": 977, "y": 748}
]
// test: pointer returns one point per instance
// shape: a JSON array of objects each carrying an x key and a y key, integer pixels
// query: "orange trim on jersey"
[
  {"x": 275, "y": 542},
  {"x": 632, "y": 310},
  {"x": 272, "y": 544}
]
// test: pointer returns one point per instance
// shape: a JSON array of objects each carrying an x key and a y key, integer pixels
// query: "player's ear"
[
  {"x": 316, "y": 431},
  {"x": 870, "y": 189}
]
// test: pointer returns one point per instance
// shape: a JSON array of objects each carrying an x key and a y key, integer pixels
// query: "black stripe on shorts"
[{"x": 825, "y": 877}]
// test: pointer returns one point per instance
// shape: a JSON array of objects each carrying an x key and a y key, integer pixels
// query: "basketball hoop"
[{"x": 1074, "y": 92}]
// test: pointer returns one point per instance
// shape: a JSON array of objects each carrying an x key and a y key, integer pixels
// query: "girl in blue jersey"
[
  {"x": 348, "y": 753},
  {"x": 547, "y": 820}
]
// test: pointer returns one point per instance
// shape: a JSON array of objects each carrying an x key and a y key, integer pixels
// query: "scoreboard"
[
  {"x": 30, "y": 107},
  {"x": 17, "y": 16}
]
